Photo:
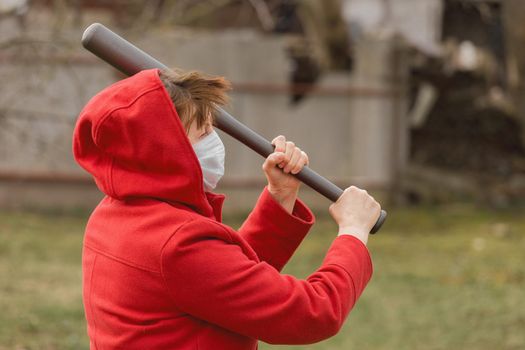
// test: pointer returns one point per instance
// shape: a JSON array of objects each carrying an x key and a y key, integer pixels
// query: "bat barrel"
[
  {"x": 117, "y": 51},
  {"x": 130, "y": 60}
]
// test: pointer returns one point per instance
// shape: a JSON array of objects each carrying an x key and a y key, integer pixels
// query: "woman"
[{"x": 160, "y": 270}]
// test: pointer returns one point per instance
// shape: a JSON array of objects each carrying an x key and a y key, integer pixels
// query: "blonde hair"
[{"x": 195, "y": 95}]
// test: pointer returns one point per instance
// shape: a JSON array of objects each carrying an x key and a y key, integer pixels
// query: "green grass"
[
  {"x": 40, "y": 284},
  {"x": 445, "y": 278}
]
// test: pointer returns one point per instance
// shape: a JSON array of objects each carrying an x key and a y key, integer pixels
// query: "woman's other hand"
[{"x": 286, "y": 159}]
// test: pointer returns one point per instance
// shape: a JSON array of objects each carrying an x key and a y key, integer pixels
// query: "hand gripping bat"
[{"x": 129, "y": 59}]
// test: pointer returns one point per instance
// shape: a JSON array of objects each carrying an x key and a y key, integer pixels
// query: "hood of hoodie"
[{"x": 131, "y": 139}]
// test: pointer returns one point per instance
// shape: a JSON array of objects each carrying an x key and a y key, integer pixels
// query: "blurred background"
[{"x": 420, "y": 102}]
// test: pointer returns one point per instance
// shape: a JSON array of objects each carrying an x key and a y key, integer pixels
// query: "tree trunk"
[{"x": 514, "y": 27}]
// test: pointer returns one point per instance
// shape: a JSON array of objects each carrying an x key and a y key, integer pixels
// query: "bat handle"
[{"x": 331, "y": 191}]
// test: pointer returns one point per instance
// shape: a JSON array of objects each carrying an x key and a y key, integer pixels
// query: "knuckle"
[
  {"x": 279, "y": 140},
  {"x": 290, "y": 143}
]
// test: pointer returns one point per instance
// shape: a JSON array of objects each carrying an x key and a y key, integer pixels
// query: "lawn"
[{"x": 448, "y": 277}]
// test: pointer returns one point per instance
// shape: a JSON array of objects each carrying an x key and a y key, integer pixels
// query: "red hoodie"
[{"x": 160, "y": 270}]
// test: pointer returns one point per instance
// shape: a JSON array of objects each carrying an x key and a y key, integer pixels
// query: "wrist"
[
  {"x": 355, "y": 231},
  {"x": 285, "y": 198},
  {"x": 282, "y": 195}
]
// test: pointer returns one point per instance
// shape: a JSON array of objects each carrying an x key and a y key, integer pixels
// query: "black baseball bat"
[{"x": 130, "y": 60}]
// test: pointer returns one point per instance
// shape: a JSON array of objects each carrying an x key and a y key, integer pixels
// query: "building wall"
[{"x": 350, "y": 125}]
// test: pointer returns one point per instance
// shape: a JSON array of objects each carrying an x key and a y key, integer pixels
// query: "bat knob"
[
  {"x": 379, "y": 222},
  {"x": 89, "y": 33}
]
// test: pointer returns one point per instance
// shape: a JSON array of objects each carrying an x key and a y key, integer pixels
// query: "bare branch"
[{"x": 263, "y": 12}]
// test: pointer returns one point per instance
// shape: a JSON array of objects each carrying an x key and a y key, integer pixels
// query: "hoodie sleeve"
[
  {"x": 213, "y": 279},
  {"x": 274, "y": 233}
]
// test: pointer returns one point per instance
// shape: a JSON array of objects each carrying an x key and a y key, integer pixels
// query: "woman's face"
[{"x": 195, "y": 134}]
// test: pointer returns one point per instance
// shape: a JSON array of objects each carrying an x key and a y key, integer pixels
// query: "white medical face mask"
[{"x": 210, "y": 152}]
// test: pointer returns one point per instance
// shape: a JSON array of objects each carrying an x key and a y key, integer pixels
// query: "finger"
[
  {"x": 272, "y": 160},
  {"x": 300, "y": 163},
  {"x": 290, "y": 146},
  {"x": 307, "y": 159},
  {"x": 296, "y": 156},
  {"x": 280, "y": 143}
]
